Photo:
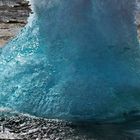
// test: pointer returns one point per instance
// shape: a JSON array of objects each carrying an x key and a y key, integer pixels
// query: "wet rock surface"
[
  {"x": 18, "y": 126},
  {"x": 25, "y": 127}
]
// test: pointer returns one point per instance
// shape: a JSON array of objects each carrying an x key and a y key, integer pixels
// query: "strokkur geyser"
[{"x": 76, "y": 59}]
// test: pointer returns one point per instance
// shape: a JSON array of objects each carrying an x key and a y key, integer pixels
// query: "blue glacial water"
[{"x": 75, "y": 60}]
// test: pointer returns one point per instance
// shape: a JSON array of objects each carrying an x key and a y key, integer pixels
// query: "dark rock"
[{"x": 26, "y": 127}]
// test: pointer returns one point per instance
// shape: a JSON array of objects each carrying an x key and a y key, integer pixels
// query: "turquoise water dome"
[{"x": 75, "y": 60}]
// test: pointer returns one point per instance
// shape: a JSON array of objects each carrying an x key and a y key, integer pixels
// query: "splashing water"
[{"x": 74, "y": 60}]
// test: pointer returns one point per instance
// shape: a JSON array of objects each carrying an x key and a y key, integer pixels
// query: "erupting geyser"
[{"x": 76, "y": 59}]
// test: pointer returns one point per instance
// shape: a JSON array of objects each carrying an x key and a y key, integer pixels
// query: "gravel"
[{"x": 25, "y": 127}]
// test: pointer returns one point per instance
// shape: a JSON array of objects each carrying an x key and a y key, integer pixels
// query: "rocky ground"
[
  {"x": 19, "y": 126},
  {"x": 13, "y": 16},
  {"x": 24, "y": 127}
]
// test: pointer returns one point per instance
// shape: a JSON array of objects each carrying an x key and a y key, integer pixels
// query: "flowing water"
[{"x": 75, "y": 60}]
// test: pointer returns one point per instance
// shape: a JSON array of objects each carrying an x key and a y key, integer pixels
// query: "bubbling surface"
[{"x": 75, "y": 60}]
